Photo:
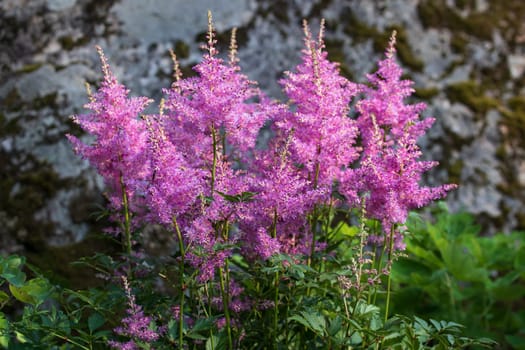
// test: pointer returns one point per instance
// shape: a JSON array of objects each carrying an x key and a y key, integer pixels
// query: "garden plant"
[{"x": 287, "y": 241}]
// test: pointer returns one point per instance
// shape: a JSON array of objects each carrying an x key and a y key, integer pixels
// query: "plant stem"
[
  {"x": 125, "y": 205},
  {"x": 276, "y": 285},
  {"x": 67, "y": 339},
  {"x": 209, "y": 296},
  {"x": 182, "y": 287},
  {"x": 226, "y": 302},
  {"x": 214, "y": 164},
  {"x": 391, "y": 242},
  {"x": 360, "y": 260}
]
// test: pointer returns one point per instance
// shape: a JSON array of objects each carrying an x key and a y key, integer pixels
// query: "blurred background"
[{"x": 466, "y": 57}]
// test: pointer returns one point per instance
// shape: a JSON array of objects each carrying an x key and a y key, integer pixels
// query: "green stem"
[
  {"x": 276, "y": 286},
  {"x": 373, "y": 264},
  {"x": 127, "y": 230},
  {"x": 208, "y": 288},
  {"x": 226, "y": 303},
  {"x": 182, "y": 287},
  {"x": 225, "y": 287},
  {"x": 362, "y": 241},
  {"x": 214, "y": 164},
  {"x": 389, "y": 273},
  {"x": 315, "y": 215},
  {"x": 313, "y": 223},
  {"x": 67, "y": 339}
]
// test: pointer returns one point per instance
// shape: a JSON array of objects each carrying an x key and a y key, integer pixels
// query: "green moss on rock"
[
  {"x": 426, "y": 93},
  {"x": 28, "y": 68},
  {"x": 506, "y": 16},
  {"x": 335, "y": 51},
  {"x": 472, "y": 95},
  {"x": 182, "y": 50},
  {"x": 514, "y": 118},
  {"x": 13, "y": 101},
  {"x": 362, "y": 32},
  {"x": 454, "y": 171}
]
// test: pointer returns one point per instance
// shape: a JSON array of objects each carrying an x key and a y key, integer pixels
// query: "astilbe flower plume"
[
  {"x": 219, "y": 103},
  {"x": 313, "y": 143},
  {"x": 175, "y": 186},
  {"x": 212, "y": 119},
  {"x": 387, "y": 179},
  {"x": 323, "y": 133},
  {"x": 119, "y": 151},
  {"x": 278, "y": 214},
  {"x": 135, "y": 326}
]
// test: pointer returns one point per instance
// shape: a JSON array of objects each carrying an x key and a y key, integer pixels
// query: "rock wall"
[{"x": 466, "y": 57}]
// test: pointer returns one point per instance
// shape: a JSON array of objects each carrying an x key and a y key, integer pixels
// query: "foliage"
[{"x": 457, "y": 274}]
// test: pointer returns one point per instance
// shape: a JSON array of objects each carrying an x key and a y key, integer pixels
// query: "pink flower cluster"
[
  {"x": 135, "y": 325},
  {"x": 195, "y": 166}
]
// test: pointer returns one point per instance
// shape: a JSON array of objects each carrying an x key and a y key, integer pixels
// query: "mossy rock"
[
  {"x": 472, "y": 95},
  {"x": 506, "y": 16},
  {"x": 426, "y": 93},
  {"x": 514, "y": 117},
  {"x": 361, "y": 32}
]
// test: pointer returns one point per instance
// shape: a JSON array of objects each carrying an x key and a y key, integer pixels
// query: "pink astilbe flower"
[
  {"x": 323, "y": 133},
  {"x": 389, "y": 173},
  {"x": 278, "y": 214},
  {"x": 135, "y": 325},
  {"x": 175, "y": 186},
  {"x": 213, "y": 118},
  {"x": 217, "y": 104},
  {"x": 119, "y": 149}
]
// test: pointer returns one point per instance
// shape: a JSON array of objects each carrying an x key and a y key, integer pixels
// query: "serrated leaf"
[
  {"x": 436, "y": 324},
  {"x": 335, "y": 326},
  {"x": 310, "y": 321},
  {"x": 238, "y": 198}
]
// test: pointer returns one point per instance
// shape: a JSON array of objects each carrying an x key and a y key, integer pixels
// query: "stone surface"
[{"x": 47, "y": 54}]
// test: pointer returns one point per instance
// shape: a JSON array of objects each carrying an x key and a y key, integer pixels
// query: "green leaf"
[
  {"x": 200, "y": 327},
  {"x": 212, "y": 342},
  {"x": 34, "y": 292},
  {"x": 21, "y": 338},
  {"x": 219, "y": 341},
  {"x": 506, "y": 287},
  {"x": 335, "y": 326},
  {"x": 343, "y": 230},
  {"x": 519, "y": 259},
  {"x": 95, "y": 321},
  {"x": 11, "y": 270},
  {"x": 4, "y": 297},
  {"x": 4, "y": 331},
  {"x": 428, "y": 257},
  {"x": 311, "y": 320},
  {"x": 436, "y": 324},
  {"x": 21, "y": 294},
  {"x": 238, "y": 198},
  {"x": 11, "y": 263},
  {"x": 517, "y": 341}
]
